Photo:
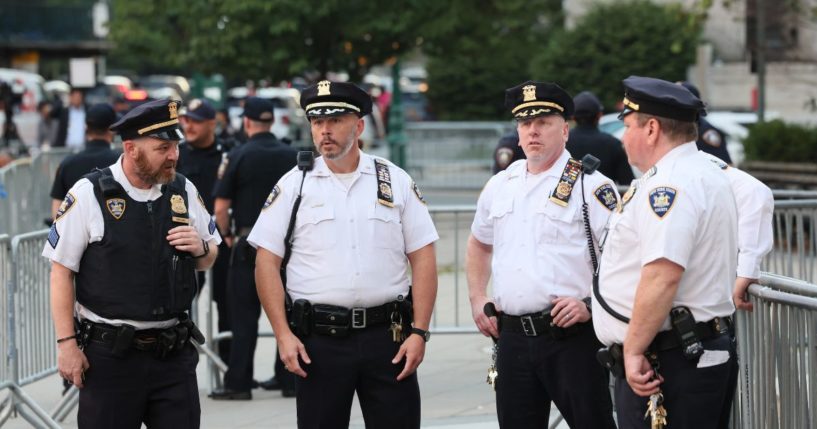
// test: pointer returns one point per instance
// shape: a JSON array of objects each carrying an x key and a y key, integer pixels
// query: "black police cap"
[
  {"x": 532, "y": 99},
  {"x": 100, "y": 116},
  {"x": 660, "y": 98},
  {"x": 158, "y": 119},
  {"x": 692, "y": 88},
  {"x": 327, "y": 98},
  {"x": 586, "y": 104},
  {"x": 258, "y": 109},
  {"x": 199, "y": 109}
]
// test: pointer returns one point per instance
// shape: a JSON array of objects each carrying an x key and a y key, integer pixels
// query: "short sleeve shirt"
[
  {"x": 683, "y": 211},
  {"x": 348, "y": 249}
]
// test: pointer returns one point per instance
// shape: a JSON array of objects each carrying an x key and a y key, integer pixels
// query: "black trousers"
[
  {"x": 245, "y": 309},
  {"x": 221, "y": 270},
  {"x": 533, "y": 371},
  {"x": 358, "y": 363},
  {"x": 124, "y": 392},
  {"x": 695, "y": 398}
]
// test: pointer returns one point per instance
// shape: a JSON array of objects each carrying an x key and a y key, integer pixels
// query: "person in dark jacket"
[{"x": 710, "y": 139}]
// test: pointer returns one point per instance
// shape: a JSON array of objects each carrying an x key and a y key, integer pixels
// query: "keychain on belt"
[
  {"x": 655, "y": 405},
  {"x": 493, "y": 374}
]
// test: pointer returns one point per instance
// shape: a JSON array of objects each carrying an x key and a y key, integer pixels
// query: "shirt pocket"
[
  {"x": 499, "y": 215},
  {"x": 558, "y": 223},
  {"x": 386, "y": 228},
  {"x": 315, "y": 228}
]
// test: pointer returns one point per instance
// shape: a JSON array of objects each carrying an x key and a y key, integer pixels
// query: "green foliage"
[
  {"x": 617, "y": 40},
  {"x": 261, "y": 38},
  {"x": 778, "y": 141},
  {"x": 476, "y": 52}
]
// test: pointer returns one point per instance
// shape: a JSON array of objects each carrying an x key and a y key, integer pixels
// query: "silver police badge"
[{"x": 116, "y": 207}]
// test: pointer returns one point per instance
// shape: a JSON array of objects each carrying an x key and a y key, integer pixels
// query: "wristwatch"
[
  {"x": 423, "y": 333},
  {"x": 206, "y": 246}
]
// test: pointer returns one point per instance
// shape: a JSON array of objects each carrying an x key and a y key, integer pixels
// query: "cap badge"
[
  {"x": 172, "y": 109},
  {"x": 529, "y": 93},
  {"x": 323, "y": 87},
  {"x": 177, "y": 204}
]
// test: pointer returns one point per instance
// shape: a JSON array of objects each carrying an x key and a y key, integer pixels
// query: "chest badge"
[
  {"x": 661, "y": 200},
  {"x": 384, "y": 191},
  {"x": 116, "y": 207},
  {"x": 561, "y": 195},
  {"x": 177, "y": 204}
]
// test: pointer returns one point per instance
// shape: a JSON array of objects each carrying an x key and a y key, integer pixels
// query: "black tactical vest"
[{"x": 133, "y": 272}]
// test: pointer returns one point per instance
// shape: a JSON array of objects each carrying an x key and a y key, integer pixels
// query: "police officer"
[
  {"x": 130, "y": 237},
  {"x": 249, "y": 173},
  {"x": 97, "y": 153},
  {"x": 668, "y": 265},
  {"x": 530, "y": 233},
  {"x": 200, "y": 155},
  {"x": 710, "y": 139},
  {"x": 361, "y": 225},
  {"x": 585, "y": 138},
  {"x": 507, "y": 151}
]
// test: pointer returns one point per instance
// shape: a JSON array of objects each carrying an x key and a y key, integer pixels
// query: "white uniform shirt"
[
  {"x": 75, "y": 134},
  {"x": 684, "y": 212},
  {"x": 348, "y": 249},
  {"x": 539, "y": 247},
  {"x": 82, "y": 223},
  {"x": 755, "y": 204}
]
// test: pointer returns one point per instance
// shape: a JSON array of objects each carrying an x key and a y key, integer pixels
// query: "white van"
[{"x": 30, "y": 87}]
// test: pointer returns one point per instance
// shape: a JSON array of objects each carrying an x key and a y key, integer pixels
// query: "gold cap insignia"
[
  {"x": 323, "y": 87},
  {"x": 177, "y": 204},
  {"x": 529, "y": 93},
  {"x": 172, "y": 108}
]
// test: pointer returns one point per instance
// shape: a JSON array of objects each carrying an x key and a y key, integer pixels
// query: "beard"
[
  {"x": 344, "y": 150},
  {"x": 154, "y": 176}
]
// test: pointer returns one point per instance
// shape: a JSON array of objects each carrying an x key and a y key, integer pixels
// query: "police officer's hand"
[
  {"x": 640, "y": 375},
  {"x": 741, "y": 294},
  {"x": 291, "y": 348},
  {"x": 567, "y": 312},
  {"x": 186, "y": 239},
  {"x": 413, "y": 349},
  {"x": 71, "y": 363},
  {"x": 487, "y": 325}
]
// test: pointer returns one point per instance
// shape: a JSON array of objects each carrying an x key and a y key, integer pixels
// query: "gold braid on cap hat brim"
[
  {"x": 156, "y": 126},
  {"x": 538, "y": 103}
]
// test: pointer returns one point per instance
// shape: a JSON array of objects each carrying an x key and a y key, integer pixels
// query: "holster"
[
  {"x": 300, "y": 318},
  {"x": 612, "y": 358}
]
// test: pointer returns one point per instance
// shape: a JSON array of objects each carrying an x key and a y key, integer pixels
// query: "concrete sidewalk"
[{"x": 452, "y": 384}]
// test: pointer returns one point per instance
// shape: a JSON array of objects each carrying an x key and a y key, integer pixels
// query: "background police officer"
[
  {"x": 131, "y": 236},
  {"x": 529, "y": 232},
  {"x": 507, "y": 151},
  {"x": 710, "y": 139},
  {"x": 585, "y": 138},
  {"x": 360, "y": 227},
  {"x": 249, "y": 173},
  {"x": 668, "y": 263},
  {"x": 97, "y": 153},
  {"x": 199, "y": 158}
]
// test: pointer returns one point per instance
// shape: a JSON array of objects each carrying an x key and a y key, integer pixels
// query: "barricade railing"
[
  {"x": 777, "y": 346},
  {"x": 30, "y": 341},
  {"x": 5, "y": 283},
  {"x": 795, "y": 240}
]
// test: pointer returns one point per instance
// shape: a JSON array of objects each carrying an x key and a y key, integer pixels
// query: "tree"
[
  {"x": 475, "y": 52},
  {"x": 617, "y": 40},
  {"x": 262, "y": 38}
]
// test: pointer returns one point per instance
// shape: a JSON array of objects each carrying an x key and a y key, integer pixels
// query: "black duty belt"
[
  {"x": 667, "y": 340},
  {"x": 145, "y": 340},
  {"x": 536, "y": 324},
  {"x": 335, "y": 320}
]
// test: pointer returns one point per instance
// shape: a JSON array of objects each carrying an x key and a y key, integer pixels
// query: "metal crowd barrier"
[
  {"x": 29, "y": 341},
  {"x": 778, "y": 356},
  {"x": 795, "y": 240}
]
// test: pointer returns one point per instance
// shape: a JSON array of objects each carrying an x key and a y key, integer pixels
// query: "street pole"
[
  {"x": 760, "y": 58},
  {"x": 397, "y": 139}
]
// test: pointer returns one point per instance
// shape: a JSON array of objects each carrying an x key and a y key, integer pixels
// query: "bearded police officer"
[
  {"x": 249, "y": 172},
  {"x": 130, "y": 237},
  {"x": 359, "y": 225},
  {"x": 668, "y": 265},
  {"x": 531, "y": 233}
]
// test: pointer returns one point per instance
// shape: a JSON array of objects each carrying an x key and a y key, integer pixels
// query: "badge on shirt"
[
  {"x": 712, "y": 138},
  {"x": 661, "y": 200},
  {"x": 561, "y": 195},
  {"x": 177, "y": 204},
  {"x": 606, "y": 196},
  {"x": 212, "y": 226},
  {"x": 504, "y": 156},
  {"x": 627, "y": 197},
  {"x": 53, "y": 236},
  {"x": 66, "y": 205},
  {"x": 272, "y": 196},
  {"x": 384, "y": 193},
  {"x": 116, "y": 207},
  {"x": 417, "y": 192},
  {"x": 223, "y": 166},
  {"x": 201, "y": 200}
]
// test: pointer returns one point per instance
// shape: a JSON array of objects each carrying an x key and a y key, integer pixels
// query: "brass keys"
[
  {"x": 396, "y": 327},
  {"x": 656, "y": 411},
  {"x": 492, "y": 372}
]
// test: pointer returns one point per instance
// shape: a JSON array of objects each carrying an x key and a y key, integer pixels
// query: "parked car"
[{"x": 156, "y": 81}]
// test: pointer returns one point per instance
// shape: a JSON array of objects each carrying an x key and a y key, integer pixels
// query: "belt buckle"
[
  {"x": 527, "y": 326},
  {"x": 358, "y": 318}
]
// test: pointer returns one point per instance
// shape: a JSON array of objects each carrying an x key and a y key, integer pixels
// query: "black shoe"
[
  {"x": 271, "y": 384},
  {"x": 288, "y": 393},
  {"x": 230, "y": 395}
]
